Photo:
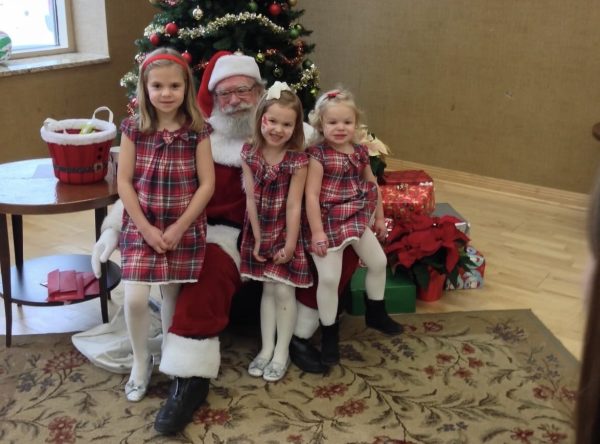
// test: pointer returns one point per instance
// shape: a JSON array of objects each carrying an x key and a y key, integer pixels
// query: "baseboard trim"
[{"x": 553, "y": 195}]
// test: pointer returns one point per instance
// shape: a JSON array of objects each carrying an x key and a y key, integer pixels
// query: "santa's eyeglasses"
[{"x": 243, "y": 92}]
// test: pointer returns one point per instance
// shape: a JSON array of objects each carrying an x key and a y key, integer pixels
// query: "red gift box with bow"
[{"x": 406, "y": 192}]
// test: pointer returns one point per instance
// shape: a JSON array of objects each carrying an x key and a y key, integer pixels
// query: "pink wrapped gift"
[{"x": 71, "y": 285}]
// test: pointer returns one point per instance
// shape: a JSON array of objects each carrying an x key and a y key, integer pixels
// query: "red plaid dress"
[
  {"x": 271, "y": 187},
  {"x": 347, "y": 200},
  {"x": 165, "y": 179}
]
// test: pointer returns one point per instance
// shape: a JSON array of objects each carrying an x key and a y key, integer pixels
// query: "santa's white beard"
[
  {"x": 236, "y": 123},
  {"x": 230, "y": 131}
]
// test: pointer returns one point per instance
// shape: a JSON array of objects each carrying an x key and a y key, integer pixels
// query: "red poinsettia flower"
[{"x": 424, "y": 242}]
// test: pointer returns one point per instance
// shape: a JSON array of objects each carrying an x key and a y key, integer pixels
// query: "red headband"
[{"x": 170, "y": 57}]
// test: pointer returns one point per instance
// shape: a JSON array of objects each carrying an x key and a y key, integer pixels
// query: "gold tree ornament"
[{"x": 197, "y": 13}]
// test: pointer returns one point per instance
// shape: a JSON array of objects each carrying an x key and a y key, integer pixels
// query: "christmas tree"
[{"x": 267, "y": 30}]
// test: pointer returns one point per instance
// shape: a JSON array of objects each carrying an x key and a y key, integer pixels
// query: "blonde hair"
[
  {"x": 147, "y": 118},
  {"x": 287, "y": 99},
  {"x": 338, "y": 96}
]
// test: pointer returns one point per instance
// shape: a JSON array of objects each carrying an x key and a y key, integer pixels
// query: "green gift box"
[{"x": 400, "y": 293}]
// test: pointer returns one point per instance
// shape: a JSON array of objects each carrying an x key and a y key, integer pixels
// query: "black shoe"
[
  {"x": 330, "y": 344},
  {"x": 185, "y": 396},
  {"x": 377, "y": 317},
  {"x": 305, "y": 356}
]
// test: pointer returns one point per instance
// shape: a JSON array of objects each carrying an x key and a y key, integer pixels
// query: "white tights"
[
  {"x": 137, "y": 317},
  {"x": 329, "y": 269},
  {"x": 277, "y": 319}
]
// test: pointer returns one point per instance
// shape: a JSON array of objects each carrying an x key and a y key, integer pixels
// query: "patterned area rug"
[{"x": 471, "y": 377}]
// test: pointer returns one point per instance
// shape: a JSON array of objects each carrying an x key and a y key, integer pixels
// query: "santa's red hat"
[
  {"x": 204, "y": 97},
  {"x": 222, "y": 65}
]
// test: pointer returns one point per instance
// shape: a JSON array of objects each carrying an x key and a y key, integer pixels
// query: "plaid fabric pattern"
[
  {"x": 165, "y": 180},
  {"x": 347, "y": 200},
  {"x": 271, "y": 187}
]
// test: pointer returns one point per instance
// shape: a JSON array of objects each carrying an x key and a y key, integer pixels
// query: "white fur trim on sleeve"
[
  {"x": 186, "y": 357},
  {"x": 310, "y": 134}
]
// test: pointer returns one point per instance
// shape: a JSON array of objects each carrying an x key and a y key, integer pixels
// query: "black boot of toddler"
[
  {"x": 376, "y": 317},
  {"x": 330, "y": 344}
]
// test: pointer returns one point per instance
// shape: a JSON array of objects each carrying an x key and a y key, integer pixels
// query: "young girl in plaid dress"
[
  {"x": 165, "y": 179},
  {"x": 275, "y": 167},
  {"x": 342, "y": 201}
]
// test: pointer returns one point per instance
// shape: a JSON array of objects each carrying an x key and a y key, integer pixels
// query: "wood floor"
[{"x": 535, "y": 254}]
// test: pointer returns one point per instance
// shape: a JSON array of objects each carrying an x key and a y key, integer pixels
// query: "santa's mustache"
[{"x": 232, "y": 109}]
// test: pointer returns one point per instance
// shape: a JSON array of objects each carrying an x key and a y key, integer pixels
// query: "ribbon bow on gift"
[{"x": 274, "y": 92}]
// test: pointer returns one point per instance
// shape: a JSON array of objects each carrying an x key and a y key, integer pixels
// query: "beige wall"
[
  {"x": 508, "y": 89},
  {"x": 501, "y": 88},
  {"x": 28, "y": 99}
]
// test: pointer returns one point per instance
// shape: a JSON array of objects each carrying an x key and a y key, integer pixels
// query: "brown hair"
[
  {"x": 338, "y": 96},
  {"x": 587, "y": 419},
  {"x": 147, "y": 119},
  {"x": 287, "y": 99}
]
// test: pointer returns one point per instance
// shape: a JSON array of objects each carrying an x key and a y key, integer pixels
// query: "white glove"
[{"x": 107, "y": 243}]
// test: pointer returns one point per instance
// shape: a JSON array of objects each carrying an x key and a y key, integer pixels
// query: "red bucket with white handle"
[{"x": 80, "y": 157}]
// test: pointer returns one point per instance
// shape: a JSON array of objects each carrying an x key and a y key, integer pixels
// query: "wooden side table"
[{"x": 30, "y": 187}]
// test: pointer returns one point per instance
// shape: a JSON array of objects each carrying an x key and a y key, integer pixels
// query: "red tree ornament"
[
  {"x": 132, "y": 106},
  {"x": 187, "y": 56},
  {"x": 171, "y": 28},
  {"x": 154, "y": 39},
  {"x": 274, "y": 9}
]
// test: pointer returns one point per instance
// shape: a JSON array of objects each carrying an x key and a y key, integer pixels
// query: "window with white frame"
[{"x": 37, "y": 27}]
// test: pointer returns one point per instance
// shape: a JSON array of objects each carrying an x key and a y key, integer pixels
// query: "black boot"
[
  {"x": 376, "y": 317},
  {"x": 330, "y": 344},
  {"x": 305, "y": 356},
  {"x": 185, "y": 396}
]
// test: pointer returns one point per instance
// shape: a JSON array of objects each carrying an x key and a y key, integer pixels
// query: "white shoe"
[
  {"x": 136, "y": 393},
  {"x": 257, "y": 366},
  {"x": 275, "y": 371}
]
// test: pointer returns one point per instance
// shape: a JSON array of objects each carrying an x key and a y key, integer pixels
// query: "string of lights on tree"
[{"x": 268, "y": 30}]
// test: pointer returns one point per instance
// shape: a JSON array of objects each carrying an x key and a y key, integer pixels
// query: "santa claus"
[{"x": 230, "y": 89}]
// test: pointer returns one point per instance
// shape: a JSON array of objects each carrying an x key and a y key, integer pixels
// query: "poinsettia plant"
[{"x": 423, "y": 242}]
